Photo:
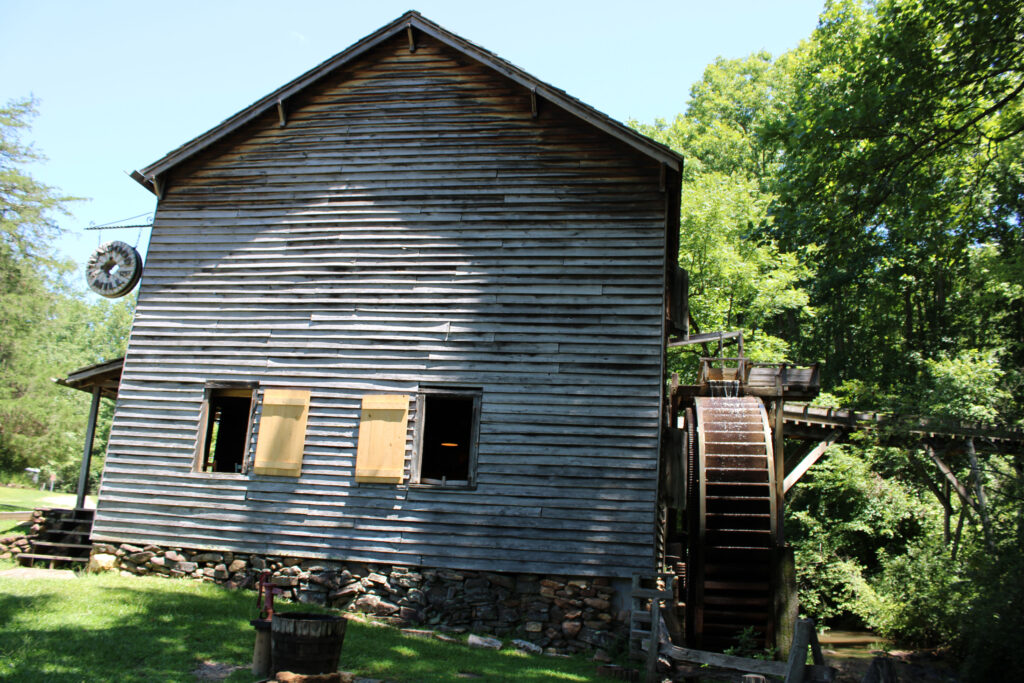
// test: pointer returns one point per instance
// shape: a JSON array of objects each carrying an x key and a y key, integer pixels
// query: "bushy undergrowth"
[
  {"x": 917, "y": 597},
  {"x": 870, "y": 549}
]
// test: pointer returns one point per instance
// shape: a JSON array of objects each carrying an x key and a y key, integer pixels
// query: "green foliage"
[
  {"x": 747, "y": 646},
  {"x": 919, "y": 597},
  {"x": 992, "y": 626},
  {"x": 902, "y": 166},
  {"x": 840, "y": 518},
  {"x": 860, "y": 201},
  {"x": 739, "y": 278},
  {"x": 968, "y": 386},
  {"x": 49, "y": 326}
]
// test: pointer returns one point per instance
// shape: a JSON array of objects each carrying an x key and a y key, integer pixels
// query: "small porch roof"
[{"x": 106, "y": 376}]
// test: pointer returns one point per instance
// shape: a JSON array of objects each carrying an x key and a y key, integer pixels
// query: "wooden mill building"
[{"x": 410, "y": 309}]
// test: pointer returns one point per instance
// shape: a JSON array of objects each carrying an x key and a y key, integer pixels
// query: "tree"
[
  {"x": 901, "y": 160},
  {"x": 739, "y": 278},
  {"x": 49, "y": 326}
]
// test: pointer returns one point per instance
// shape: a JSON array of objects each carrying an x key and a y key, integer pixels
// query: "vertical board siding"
[{"x": 411, "y": 225}]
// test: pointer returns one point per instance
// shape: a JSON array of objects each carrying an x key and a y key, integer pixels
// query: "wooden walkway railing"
[{"x": 813, "y": 422}]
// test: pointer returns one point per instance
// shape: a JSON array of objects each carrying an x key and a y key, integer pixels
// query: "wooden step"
[
  {"x": 62, "y": 532},
  {"x": 60, "y": 544},
  {"x": 52, "y": 558}
]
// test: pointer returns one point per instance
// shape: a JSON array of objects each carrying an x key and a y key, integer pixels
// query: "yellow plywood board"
[
  {"x": 282, "y": 433},
  {"x": 380, "y": 455}
]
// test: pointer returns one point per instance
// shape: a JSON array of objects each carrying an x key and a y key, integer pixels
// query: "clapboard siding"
[{"x": 411, "y": 225}]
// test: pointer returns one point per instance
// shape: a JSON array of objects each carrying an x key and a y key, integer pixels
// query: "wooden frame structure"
[{"x": 413, "y": 213}]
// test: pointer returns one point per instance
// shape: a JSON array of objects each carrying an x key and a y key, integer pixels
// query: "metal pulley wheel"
[{"x": 113, "y": 269}]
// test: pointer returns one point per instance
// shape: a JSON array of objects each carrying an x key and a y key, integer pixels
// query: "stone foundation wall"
[{"x": 559, "y": 613}]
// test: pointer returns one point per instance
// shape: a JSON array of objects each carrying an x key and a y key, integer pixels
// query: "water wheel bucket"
[{"x": 306, "y": 643}]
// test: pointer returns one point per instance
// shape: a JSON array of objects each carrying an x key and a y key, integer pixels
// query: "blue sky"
[{"x": 121, "y": 84}]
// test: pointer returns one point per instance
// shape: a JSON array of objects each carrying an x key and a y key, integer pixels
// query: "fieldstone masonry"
[
  {"x": 16, "y": 544},
  {"x": 560, "y": 614}
]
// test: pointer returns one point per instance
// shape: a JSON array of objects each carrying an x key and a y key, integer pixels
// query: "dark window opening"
[
  {"x": 228, "y": 413},
  {"x": 447, "y": 447}
]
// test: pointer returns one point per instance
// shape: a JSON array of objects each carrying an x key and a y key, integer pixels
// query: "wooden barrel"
[{"x": 305, "y": 643}]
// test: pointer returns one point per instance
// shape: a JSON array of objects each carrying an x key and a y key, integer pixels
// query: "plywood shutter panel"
[
  {"x": 282, "y": 434},
  {"x": 380, "y": 457}
]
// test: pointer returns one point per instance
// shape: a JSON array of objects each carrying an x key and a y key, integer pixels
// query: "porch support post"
[{"x": 90, "y": 433}]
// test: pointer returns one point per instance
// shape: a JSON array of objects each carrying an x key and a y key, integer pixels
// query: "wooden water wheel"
[{"x": 733, "y": 522}]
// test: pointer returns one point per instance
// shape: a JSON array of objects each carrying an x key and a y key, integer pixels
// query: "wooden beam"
[
  {"x": 779, "y": 466},
  {"x": 281, "y": 117},
  {"x": 960, "y": 489},
  {"x": 798, "y": 652},
  {"x": 159, "y": 186},
  {"x": 704, "y": 337},
  {"x": 90, "y": 433},
  {"x": 412, "y": 38},
  {"x": 533, "y": 103},
  {"x": 757, "y": 666},
  {"x": 808, "y": 460},
  {"x": 651, "y": 670}
]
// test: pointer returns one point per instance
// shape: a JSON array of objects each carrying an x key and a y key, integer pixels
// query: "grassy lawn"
[
  {"x": 9, "y": 527},
  {"x": 115, "y": 628},
  {"x": 29, "y": 499}
]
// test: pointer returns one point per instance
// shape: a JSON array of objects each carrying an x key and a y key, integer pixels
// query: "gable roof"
[{"x": 414, "y": 20}]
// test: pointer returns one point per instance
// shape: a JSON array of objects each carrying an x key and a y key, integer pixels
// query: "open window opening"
[
  {"x": 226, "y": 429},
  {"x": 448, "y": 443}
]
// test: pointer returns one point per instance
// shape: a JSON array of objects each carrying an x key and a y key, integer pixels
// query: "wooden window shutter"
[
  {"x": 380, "y": 457},
  {"x": 282, "y": 434}
]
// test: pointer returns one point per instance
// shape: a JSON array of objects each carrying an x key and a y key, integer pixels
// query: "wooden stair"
[
  {"x": 736, "y": 530},
  {"x": 63, "y": 542}
]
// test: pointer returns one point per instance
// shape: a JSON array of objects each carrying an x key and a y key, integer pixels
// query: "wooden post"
[
  {"x": 798, "y": 652},
  {"x": 261, "y": 656},
  {"x": 947, "y": 514},
  {"x": 780, "y": 469},
  {"x": 90, "y": 433},
  {"x": 786, "y": 600},
  {"x": 652, "y": 650}
]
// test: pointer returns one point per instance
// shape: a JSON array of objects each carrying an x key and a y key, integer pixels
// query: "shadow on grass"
[
  {"x": 386, "y": 653},
  {"x": 83, "y": 632},
  {"x": 113, "y": 628}
]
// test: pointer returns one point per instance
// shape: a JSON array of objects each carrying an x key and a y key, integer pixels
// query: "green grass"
[
  {"x": 117, "y": 628},
  {"x": 13, "y": 528},
  {"x": 12, "y": 498}
]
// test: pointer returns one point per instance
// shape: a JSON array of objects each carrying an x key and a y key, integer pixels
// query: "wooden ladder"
[{"x": 647, "y": 617}]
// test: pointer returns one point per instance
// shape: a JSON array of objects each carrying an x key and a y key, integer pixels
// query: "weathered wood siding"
[{"x": 412, "y": 224}]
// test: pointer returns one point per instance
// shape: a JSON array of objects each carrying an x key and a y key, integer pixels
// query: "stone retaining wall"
[
  {"x": 16, "y": 544},
  {"x": 559, "y": 613}
]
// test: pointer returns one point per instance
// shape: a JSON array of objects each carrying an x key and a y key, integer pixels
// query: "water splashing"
[{"x": 728, "y": 388}]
